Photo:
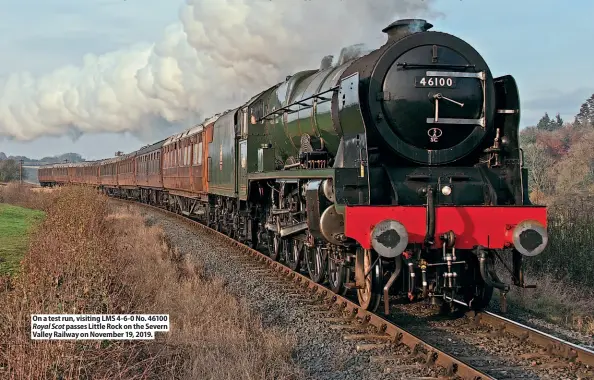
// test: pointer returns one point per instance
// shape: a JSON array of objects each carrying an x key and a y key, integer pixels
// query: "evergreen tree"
[
  {"x": 558, "y": 123},
  {"x": 585, "y": 118},
  {"x": 544, "y": 123}
]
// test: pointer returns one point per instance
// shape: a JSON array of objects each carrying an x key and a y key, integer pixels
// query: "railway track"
[{"x": 543, "y": 352}]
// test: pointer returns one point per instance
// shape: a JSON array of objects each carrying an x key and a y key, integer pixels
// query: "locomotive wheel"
[
  {"x": 481, "y": 297},
  {"x": 369, "y": 297},
  {"x": 293, "y": 257},
  {"x": 217, "y": 225},
  {"x": 316, "y": 265},
  {"x": 241, "y": 229},
  {"x": 254, "y": 236},
  {"x": 274, "y": 246},
  {"x": 286, "y": 249},
  {"x": 234, "y": 232},
  {"x": 478, "y": 296},
  {"x": 337, "y": 275}
]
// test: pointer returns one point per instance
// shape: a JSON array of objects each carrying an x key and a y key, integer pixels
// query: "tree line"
[{"x": 559, "y": 156}]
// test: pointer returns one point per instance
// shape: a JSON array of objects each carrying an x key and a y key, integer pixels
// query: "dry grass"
[
  {"x": 84, "y": 260},
  {"x": 27, "y": 196},
  {"x": 564, "y": 272},
  {"x": 559, "y": 302}
]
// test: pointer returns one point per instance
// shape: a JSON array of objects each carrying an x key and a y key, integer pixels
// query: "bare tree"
[
  {"x": 9, "y": 171},
  {"x": 540, "y": 165}
]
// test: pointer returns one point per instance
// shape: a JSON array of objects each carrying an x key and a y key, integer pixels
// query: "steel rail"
[
  {"x": 552, "y": 345},
  {"x": 455, "y": 368}
]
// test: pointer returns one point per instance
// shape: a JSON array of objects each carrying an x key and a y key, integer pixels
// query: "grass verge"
[
  {"x": 556, "y": 301},
  {"x": 16, "y": 223},
  {"x": 85, "y": 259}
]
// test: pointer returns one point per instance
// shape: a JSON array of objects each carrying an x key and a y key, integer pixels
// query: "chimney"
[{"x": 402, "y": 28}]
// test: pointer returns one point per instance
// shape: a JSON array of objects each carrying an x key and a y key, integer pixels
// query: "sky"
[{"x": 544, "y": 44}]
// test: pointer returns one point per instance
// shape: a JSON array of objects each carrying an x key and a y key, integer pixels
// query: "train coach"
[
  {"x": 56, "y": 174},
  {"x": 396, "y": 172}
]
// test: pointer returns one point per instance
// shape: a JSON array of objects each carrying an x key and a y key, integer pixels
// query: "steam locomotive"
[{"x": 394, "y": 173}]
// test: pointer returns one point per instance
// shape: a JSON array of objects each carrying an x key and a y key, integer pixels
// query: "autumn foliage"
[{"x": 560, "y": 162}]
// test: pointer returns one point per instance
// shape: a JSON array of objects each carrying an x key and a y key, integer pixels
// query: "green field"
[{"x": 15, "y": 225}]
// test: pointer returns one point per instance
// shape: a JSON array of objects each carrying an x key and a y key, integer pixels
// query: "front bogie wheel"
[
  {"x": 477, "y": 294},
  {"x": 369, "y": 296}
]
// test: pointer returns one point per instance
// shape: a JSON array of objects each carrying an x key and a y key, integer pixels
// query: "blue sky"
[{"x": 545, "y": 44}]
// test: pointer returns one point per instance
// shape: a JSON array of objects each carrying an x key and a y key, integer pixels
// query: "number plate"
[{"x": 433, "y": 82}]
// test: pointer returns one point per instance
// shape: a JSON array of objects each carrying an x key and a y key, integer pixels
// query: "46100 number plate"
[{"x": 433, "y": 82}]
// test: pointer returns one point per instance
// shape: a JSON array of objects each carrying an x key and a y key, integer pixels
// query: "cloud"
[{"x": 220, "y": 53}]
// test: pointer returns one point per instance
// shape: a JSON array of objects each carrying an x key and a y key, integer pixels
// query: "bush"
[{"x": 569, "y": 255}]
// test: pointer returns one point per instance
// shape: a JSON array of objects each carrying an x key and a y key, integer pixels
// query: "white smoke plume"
[{"x": 220, "y": 54}]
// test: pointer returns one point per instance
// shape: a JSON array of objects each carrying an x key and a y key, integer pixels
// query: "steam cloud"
[{"x": 220, "y": 54}]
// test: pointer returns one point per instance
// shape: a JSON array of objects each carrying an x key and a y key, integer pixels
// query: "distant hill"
[{"x": 66, "y": 157}]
